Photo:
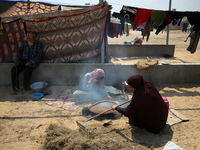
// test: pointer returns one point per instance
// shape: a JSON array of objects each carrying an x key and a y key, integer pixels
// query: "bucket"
[{"x": 166, "y": 101}]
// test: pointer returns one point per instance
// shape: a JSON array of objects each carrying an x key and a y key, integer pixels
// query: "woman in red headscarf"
[
  {"x": 91, "y": 87},
  {"x": 147, "y": 109}
]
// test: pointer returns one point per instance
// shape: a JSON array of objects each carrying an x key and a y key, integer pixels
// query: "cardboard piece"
[{"x": 175, "y": 117}]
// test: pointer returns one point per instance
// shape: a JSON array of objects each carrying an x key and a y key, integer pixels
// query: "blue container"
[{"x": 38, "y": 96}]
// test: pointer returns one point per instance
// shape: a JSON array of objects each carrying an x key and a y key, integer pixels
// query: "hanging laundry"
[
  {"x": 173, "y": 23},
  {"x": 126, "y": 29},
  {"x": 114, "y": 29},
  {"x": 193, "y": 18},
  {"x": 189, "y": 36},
  {"x": 137, "y": 16},
  {"x": 170, "y": 15},
  {"x": 166, "y": 21},
  {"x": 141, "y": 27},
  {"x": 121, "y": 18},
  {"x": 157, "y": 16},
  {"x": 110, "y": 30},
  {"x": 119, "y": 29},
  {"x": 142, "y": 15},
  {"x": 134, "y": 25},
  {"x": 109, "y": 16},
  {"x": 128, "y": 13},
  {"x": 194, "y": 41},
  {"x": 185, "y": 26},
  {"x": 148, "y": 28}
]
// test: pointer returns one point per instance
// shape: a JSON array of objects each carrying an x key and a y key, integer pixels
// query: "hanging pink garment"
[{"x": 166, "y": 101}]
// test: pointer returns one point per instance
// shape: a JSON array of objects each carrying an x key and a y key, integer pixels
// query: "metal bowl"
[
  {"x": 127, "y": 43},
  {"x": 39, "y": 87}
]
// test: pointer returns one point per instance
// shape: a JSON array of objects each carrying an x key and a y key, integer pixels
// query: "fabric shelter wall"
[
  {"x": 71, "y": 38},
  {"x": 66, "y": 37}
]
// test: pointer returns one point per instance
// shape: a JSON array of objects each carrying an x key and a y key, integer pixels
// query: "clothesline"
[{"x": 138, "y": 16}]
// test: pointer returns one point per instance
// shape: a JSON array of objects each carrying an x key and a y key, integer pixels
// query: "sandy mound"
[{"x": 60, "y": 137}]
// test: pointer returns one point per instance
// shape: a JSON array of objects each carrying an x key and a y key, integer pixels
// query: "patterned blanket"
[
  {"x": 11, "y": 38},
  {"x": 62, "y": 99},
  {"x": 71, "y": 38}
]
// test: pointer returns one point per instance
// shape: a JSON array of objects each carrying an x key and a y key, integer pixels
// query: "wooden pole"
[
  {"x": 101, "y": 2},
  {"x": 104, "y": 41},
  {"x": 167, "y": 41}
]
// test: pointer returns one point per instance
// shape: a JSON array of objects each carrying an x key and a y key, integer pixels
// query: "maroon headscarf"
[
  {"x": 147, "y": 108},
  {"x": 140, "y": 85},
  {"x": 97, "y": 73}
]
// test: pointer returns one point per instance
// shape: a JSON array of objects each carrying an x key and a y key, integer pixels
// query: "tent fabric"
[
  {"x": 11, "y": 38},
  {"x": 48, "y": 15},
  {"x": 66, "y": 36},
  {"x": 23, "y": 8},
  {"x": 71, "y": 38},
  {"x": 5, "y": 5}
]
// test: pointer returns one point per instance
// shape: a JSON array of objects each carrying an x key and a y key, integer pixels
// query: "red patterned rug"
[
  {"x": 63, "y": 99},
  {"x": 11, "y": 38}
]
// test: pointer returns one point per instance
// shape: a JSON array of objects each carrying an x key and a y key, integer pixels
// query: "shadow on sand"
[{"x": 147, "y": 139}]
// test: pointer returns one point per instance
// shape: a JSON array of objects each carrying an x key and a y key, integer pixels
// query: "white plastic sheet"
[{"x": 172, "y": 146}]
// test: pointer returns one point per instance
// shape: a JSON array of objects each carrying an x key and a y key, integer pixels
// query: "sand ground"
[{"x": 26, "y": 124}]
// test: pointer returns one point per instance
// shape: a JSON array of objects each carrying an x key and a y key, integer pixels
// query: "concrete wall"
[
  {"x": 69, "y": 74},
  {"x": 140, "y": 50}
]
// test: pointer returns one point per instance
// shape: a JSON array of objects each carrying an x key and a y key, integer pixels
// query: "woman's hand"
[{"x": 113, "y": 107}]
